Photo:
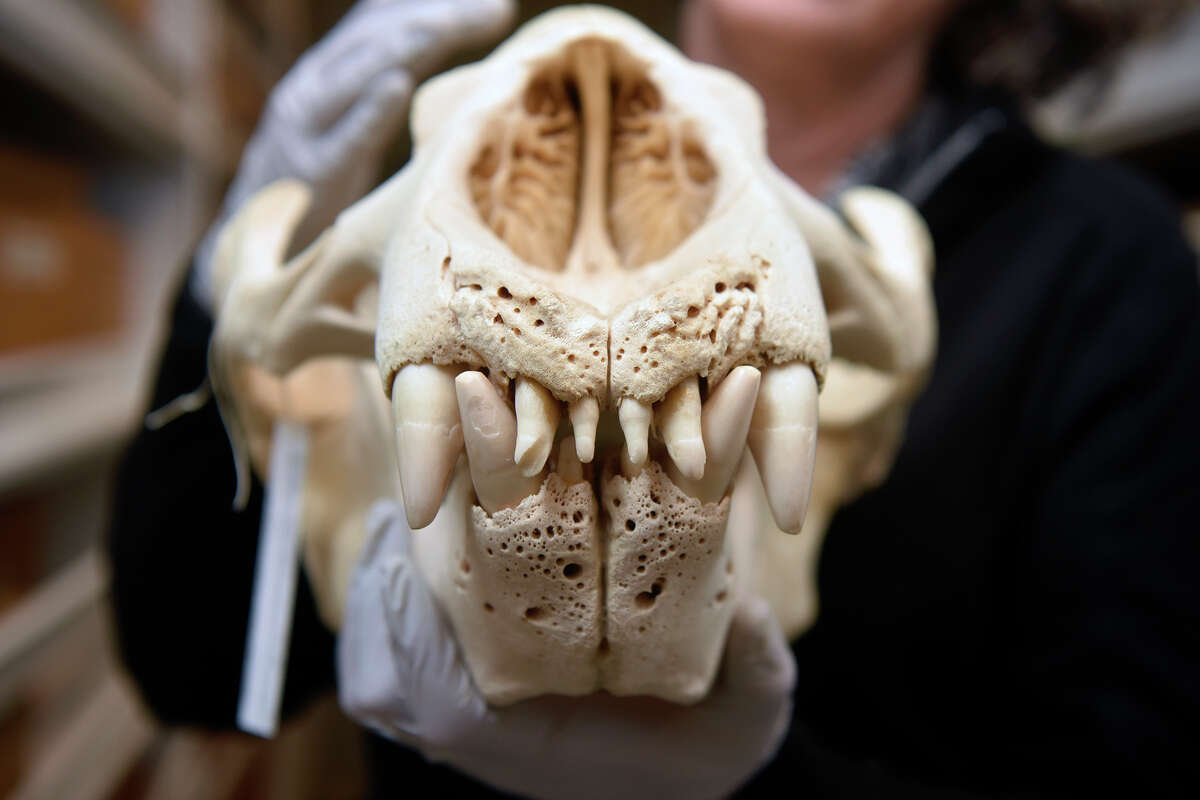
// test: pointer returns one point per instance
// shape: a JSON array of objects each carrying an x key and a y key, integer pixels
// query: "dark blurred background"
[{"x": 121, "y": 124}]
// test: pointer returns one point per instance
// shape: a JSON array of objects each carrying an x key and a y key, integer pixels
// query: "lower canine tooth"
[
  {"x": 678, "y": 419},
  {"x": 783, "y": 438},
  {"x": 537, "y": 420},
  {"x": 585, "y": 415},
  {"x": 569, "y": 468},
  {"x": 635, "y": 417},
  {"x": 428, "y": 437},
  {"x": 490, "y": 434}
]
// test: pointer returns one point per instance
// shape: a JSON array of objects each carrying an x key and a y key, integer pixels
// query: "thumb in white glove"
[
  {"x": 330, "y": 119},
  {"x": 400, "y": 673}
]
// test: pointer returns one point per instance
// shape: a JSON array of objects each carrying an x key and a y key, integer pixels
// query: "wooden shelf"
[{"x": 79, "y": 54}]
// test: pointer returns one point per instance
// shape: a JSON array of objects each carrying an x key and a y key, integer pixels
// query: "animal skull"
[{"x": 590, "y": 221}]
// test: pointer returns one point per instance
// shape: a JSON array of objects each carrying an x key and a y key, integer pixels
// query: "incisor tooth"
[
  {"x": 568, "y": 467},
  {"x": 725, "y": 422},
  {"x": 783, "y": 438},
  {"x": 585, "y": 415},
  {"x": 428, "y": 437},
  {"x": 537, "y": 420},
  {"x": 635, "y": 417},
  {"x": 678, "y": 419},
  {"x": 490, "y": 434}
]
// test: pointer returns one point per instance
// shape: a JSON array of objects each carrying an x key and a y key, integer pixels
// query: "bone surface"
[
  {"x": 678, "y": 419},
  {"x": 783, "y": 437},
  {"x": 429, "y": 437},
  {"x": 490, "y": 434},
  {"x": 590, "y": 221},
  {"x": 726, "y": 422},
  {"x": 537, "y": 419}
]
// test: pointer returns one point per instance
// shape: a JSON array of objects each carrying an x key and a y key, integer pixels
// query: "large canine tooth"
[
  {"x": 678, "y": 419},
  {"x": 783, "y": 438},
  {"x": 725, "y": 422},
  {"x": 537, "y": 420},
  {"x": 429, "y": 437},
  {"x": 569, "y": 467},
  {"x": 635, "y": 417},
  {"x": 490, "y": 434},
  {"x": 585, "y": 415}
]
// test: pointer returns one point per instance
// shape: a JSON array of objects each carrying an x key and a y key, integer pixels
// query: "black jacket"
[{"x": 1016, "y": 611}]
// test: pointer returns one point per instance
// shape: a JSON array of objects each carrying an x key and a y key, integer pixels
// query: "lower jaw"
[{"x": 625, "y": 585}]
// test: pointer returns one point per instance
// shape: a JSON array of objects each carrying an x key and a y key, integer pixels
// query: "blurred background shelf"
[{"x": 81, "y": 53}]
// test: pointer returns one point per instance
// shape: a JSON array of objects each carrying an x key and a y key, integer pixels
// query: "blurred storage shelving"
[{"x": 123, "y": 120}]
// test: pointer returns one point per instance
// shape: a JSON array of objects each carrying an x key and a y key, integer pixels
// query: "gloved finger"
[
  {"x": 431, "y": 678},
  {"x": 375, "y": 119},
  {"x": 380, "y": 517},
  {"x": 758, "y": 660},
  {"x": 377, "y": 38},
  {"x": 366, "y": 675}
]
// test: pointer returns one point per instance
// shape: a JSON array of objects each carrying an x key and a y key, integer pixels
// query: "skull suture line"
[{"x": 591, "y": 222}]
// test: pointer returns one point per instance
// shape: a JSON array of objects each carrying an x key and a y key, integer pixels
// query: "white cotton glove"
[
  {"x": 399, "y": 672},
  {"x": 331, "y": 118}
]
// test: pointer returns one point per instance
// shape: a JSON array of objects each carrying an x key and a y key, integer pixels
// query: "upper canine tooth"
[
  {"x": 678, "y": 419},
  {"x": 490, "y": 434},
  {"x": 537, "y": 421},
  {"x": 429, "y": 437},
  {"x": 635, "y": 417},
  {"x": 585, "y": 415},
  {"x": 725, "y": 422},
  {"x": 783, "y": 438},
  {"x": 569, "y": 468}
]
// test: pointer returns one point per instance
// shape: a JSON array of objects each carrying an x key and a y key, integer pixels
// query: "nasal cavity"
[{"x": 590, "y": 169}]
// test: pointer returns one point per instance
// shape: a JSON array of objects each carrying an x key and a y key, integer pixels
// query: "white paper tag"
[{"x": 275, "y": 575}]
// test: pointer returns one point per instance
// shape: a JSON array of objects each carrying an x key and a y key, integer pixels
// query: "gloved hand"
[
  {"x": 399, "y": 672},
  {"x": 330, "y": 119}
]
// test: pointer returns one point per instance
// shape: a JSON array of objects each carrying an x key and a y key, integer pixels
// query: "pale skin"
[{"x": 835, "y": 76}]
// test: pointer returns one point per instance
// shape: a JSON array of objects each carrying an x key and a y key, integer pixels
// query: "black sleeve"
[
  {"x": 183, "y": 560},
  {"x": 1112, "y": 615},
  {"x": 1093, "y": 647}
]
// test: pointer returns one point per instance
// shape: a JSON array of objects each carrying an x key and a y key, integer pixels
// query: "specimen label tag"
[{"x": 275, "y": 573}]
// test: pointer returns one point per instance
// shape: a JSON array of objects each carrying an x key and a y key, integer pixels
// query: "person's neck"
[{"x": 822, "y": 108}]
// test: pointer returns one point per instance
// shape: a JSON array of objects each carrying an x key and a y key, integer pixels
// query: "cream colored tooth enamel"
[
  {"x": 537, "y": 420},
  {"x": 429, "y": 437},
  {"x": 635, "y": 417},
  {"x": 726, "y": 422},
  {"x": 490, "y": 434},
  {"x": 585, "y": 415},
  {"x": 783, "y": 438},
  {"x": 678, "y": 420},
  {"x": 569, "y": 468},
  {"x": 628, "y": 468}
]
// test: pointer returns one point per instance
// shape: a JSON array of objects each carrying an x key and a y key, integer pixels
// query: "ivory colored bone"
[
  {"x": 726, "y": 421},
  {"x": 429, "y": 437},
  {"x": 569, "y": 467},
  {"x": 678, "y": 420},
  {"x": 537, "y": 419},
  {"x": 585, "y": 414},
  {"x": 490, "y": 433},
  {"x": 635, "y": 425},
  {"x": 588, "y": 219},
  {"x": 783, "y": 438}
]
